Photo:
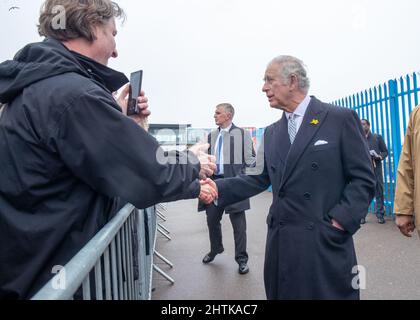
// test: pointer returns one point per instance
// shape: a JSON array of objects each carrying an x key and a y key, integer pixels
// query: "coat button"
[
  {"x": 315, "y": 166},
  {"x": 310, "y": 226},
  {"x": 281, "y": 194},
  {"x": 307, "y": 196}
]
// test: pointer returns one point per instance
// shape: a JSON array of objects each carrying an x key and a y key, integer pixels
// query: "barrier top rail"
[{"x": 78, "y": 268}]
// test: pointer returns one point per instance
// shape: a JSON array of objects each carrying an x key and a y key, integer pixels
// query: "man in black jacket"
[
  {"x": 68, "y": 155},
  {"x": 378, "y": 152}
]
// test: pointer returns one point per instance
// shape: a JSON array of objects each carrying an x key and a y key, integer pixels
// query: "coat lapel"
[
  {"x": 213, "y": 138},
  {"x": 304, "y": 136},
  {"x": 277, "y": 146},
  {"x": 229, "y": 153},
  {"x": 281, "y": 142}
]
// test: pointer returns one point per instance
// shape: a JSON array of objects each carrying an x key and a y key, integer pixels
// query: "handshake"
[{"x": 208, "y": 188}]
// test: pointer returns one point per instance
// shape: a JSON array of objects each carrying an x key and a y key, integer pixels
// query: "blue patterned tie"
[
  {"x": 219, "y": 153},
  {"x": 292, "y": 127}
]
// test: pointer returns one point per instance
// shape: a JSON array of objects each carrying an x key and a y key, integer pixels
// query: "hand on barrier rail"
[
  {"x": 207, "y": 162},
  {"x": 208, "y": 191}
]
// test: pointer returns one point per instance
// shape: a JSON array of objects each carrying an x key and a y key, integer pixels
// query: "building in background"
[
  {"x": 182, "y": 136},
  {"x": 170, "y": 136}
]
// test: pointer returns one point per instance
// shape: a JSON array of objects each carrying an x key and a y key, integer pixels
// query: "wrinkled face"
[
  {"x": 276, "y": 89},
  {"x": 221, "y": 117},
  {"x": 104, "y": 47},
  {"x": 365, "y": 125}
]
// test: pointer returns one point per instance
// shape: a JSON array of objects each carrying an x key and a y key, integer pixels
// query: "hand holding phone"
[{"x": 135, "y": 89}]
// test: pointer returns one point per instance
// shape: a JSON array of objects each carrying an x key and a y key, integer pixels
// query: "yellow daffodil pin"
[{"x": 315, "y": 122}]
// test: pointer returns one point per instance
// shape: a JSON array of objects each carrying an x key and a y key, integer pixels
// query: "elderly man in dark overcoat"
[{"x": 317, "y": 161}]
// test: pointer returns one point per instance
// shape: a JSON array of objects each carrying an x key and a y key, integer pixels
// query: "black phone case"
[{"x": 135, "y": 89}]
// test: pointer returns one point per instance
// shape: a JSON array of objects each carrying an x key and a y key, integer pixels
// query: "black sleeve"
[
  {"x": 358, "y": 193},
  {"x": 382, "y": 147},
  {"x": 116, "y": 157}
]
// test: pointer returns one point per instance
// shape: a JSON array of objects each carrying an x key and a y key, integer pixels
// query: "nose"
[
  {"x": 115, "y": 53},
  {"x": 265, "y": 87}
]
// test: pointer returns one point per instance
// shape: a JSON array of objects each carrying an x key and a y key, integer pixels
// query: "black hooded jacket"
[{"x": 67, "y": 158}]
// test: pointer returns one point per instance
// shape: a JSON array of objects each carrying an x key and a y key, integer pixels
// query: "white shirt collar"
[
  {"x": 301, "y": 109},
  {"x": 227, "y": 129}
]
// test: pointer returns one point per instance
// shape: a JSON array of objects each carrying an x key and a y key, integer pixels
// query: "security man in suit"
[
  {"x": 317, "y": 160},
  {"x": 234, "y": 151}
]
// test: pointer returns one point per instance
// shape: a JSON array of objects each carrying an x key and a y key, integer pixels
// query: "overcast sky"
[{"x": 198, "y": 53}]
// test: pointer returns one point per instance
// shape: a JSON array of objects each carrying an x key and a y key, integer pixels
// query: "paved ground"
[{"x": 392, "y": 261}]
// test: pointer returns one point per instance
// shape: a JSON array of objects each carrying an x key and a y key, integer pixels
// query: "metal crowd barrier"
[{"x": 117, "y": 264}]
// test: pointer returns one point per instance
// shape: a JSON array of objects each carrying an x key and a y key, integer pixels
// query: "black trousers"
[
  {"x": 214, "y": 216},
  {"x": 379, "y": 192}
]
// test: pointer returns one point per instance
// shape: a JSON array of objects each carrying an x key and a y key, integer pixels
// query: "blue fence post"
[{"x": 395, "y": 125}]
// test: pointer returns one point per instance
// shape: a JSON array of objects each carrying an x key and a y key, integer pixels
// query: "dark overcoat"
[{"x": 325, "y": 175}]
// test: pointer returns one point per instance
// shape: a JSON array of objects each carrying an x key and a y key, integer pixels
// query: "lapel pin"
[{"x": 315, "y": 122}]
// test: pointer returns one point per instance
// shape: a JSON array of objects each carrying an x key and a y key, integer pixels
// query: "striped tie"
[{"x": 292, "y": 128}]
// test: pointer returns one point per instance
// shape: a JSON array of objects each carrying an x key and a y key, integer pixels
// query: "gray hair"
[
  {"x": 81, "y": 18},
  {"x": 228, "y": 108},
  {"x": 293, "y": 66}
]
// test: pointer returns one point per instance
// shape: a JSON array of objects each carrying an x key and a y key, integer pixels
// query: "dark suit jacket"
[
  {"x": 377, "y": 143},
  {"x": 325, "y": 174},
  {"x": 238, "y": 154}
]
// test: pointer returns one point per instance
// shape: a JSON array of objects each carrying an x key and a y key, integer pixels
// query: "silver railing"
[{"x": 117, "y": 264}]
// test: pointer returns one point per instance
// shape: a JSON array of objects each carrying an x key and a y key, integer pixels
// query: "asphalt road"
[{"x": 391, "y": 261}]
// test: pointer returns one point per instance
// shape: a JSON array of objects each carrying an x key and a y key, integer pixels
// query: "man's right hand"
[
  {"x": 208, "y": 191},
  {"x": 405, "y": 224},
  {"x": 207, "y": 162}
]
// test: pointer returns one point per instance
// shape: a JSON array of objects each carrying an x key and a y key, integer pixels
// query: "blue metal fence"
[{"x": 388, "y": 108}]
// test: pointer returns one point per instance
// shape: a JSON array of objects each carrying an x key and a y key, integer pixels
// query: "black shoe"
[
  {"x": 243, "y": 268},
  {"x": 381, "y": 220},
  {"x": 209, "y": 257},
  {"x": 363, "y": 221}
]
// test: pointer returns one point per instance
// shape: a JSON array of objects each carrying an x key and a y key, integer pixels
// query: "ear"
[
  {"x": 294, "y": 82},
  {"x": 96, "y": 29}
]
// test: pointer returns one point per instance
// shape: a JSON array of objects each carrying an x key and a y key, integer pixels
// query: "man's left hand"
[
  {"x": 337, "y": 225},
  {"x": 207, "y": 162},
  {"x": 142, "y": 103},
  {"x": 208, "y": 191},
  {"x": 405, "y": 224}
]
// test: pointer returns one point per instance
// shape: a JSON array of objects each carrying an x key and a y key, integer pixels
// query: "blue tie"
[{"x": 219, "y": 153}]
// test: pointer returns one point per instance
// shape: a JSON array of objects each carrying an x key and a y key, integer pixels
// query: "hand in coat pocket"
[{"x": 337, "y": 225}]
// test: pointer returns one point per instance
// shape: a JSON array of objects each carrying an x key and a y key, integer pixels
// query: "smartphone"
[{"x": 135, "y": 89}]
